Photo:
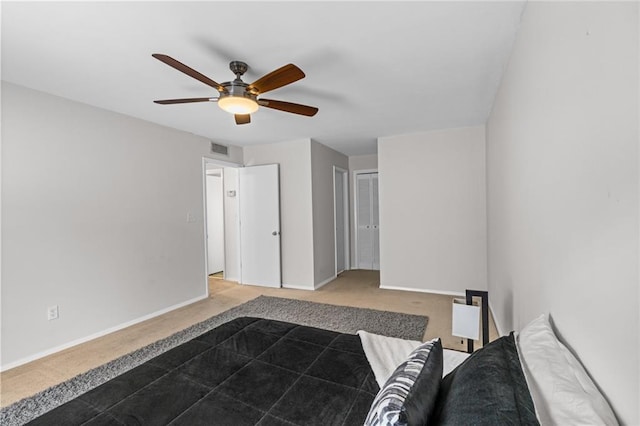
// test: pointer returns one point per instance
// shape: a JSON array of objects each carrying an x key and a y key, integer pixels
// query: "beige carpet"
[
  {"x": 352, "y": 288},
  {"x": 337, "y": 318}
]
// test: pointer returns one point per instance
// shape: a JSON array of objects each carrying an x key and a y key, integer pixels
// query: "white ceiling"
[{"x": 373, "y": 68}]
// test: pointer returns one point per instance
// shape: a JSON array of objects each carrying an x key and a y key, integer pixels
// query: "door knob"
[{"x": 274, "y": 233}]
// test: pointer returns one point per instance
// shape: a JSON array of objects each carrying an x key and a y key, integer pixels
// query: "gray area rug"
[{"x": 331, "y": 317}]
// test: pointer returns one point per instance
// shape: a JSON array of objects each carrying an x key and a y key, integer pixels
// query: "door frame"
[
  {"x": 355, "y": 209},
  {"x": 221, "y": 164},
  {"x": 345, "y": 212}
]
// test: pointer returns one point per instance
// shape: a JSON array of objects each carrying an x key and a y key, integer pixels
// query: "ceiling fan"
[{"x": 238, "y": 97}]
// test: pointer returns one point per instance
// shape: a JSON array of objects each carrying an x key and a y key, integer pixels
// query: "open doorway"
[
  {"x": 221, "y": 223},
  {"x": 215, "y": 223}
]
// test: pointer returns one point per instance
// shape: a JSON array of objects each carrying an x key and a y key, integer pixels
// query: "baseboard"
[
  {"x": 422, "y": 290},
  {"x": 327, "y": 281},
  {"x": 297, "y": 287},
  {"x": 76, "y": 342}
]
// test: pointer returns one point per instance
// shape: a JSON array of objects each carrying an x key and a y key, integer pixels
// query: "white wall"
[
  {"x": 433, "y": 211},
  {"x": 357, "y": 162},
  {"x": 296, "y": 214},
  {"x": 322, "y": 161},
  {"x": 562, "y": 152},
  {"x": 215, "y": 223},
  {"x": 94, "y": 220}
]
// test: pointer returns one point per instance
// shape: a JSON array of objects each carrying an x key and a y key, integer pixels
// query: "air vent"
[{"x": 219, "y": 149}]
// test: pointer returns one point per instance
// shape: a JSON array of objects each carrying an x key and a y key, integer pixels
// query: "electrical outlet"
[{"x": 52, "y": 312}]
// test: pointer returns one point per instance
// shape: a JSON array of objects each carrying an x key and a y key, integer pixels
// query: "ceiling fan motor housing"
[{"x": 237, "y": 87}]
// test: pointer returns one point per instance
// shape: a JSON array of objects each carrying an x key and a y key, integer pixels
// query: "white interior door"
[
  {"x": 259, "y": 196},
  {"x": 368, "y": 228}
]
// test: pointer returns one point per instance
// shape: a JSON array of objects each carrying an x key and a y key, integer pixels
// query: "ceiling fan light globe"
[{"x": 238, "y": 104}]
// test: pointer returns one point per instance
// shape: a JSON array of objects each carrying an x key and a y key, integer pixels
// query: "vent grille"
[{"x": 219, "y": 149}]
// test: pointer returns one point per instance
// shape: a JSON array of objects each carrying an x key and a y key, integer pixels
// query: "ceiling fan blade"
[
  {"x": 188, "y": 71},
  {"x": 309, "y": 111},
  {"x": 184, "y": 101},
  {"x": 278, "y": 78},
  {"x": 243, "y": 118}
]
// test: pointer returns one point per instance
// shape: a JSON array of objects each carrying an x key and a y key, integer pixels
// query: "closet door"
[{"x": 368, "y": 247}]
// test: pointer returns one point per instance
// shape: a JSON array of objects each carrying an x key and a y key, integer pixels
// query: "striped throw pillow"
[{"x": 390, "y": 406}]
